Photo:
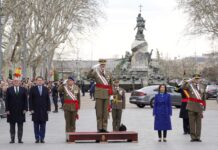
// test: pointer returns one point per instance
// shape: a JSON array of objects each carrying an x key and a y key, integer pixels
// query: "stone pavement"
[{"x": 136, "y": 119}]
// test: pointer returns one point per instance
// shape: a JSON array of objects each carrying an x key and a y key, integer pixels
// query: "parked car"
[
  {"x": 145, "y": 96},
  {"x": 211, "y": 91}
]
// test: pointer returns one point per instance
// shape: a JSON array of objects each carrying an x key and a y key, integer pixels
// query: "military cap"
[
  {"x": 102, "y": 61},
  {"x": 197, "y": 76},
  {"x": 71, "y": 78},
  {"x": 116, "y": 81}
]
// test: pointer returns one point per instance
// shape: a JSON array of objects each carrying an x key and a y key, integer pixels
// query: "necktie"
[
  {"x": 40, "y": 90},
  {"x": 16, "y": 90}
]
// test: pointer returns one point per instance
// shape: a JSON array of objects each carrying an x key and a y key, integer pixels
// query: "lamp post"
[
  {"x": 23, "y": 54},
  {"x": 62, "y": 69},
  {"x": 45, "y": 70},
  {"x": 1, "y": 53}
]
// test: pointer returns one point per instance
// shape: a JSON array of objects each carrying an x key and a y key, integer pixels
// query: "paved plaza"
[{"x": 136, "y": 119}]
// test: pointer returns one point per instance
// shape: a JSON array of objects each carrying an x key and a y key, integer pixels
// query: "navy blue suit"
[{"x": 40, "y": 105}]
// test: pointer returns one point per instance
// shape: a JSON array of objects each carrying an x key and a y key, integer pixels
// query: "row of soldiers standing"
[
  {"x": 39, "y": 103},
  {"x": 106, "y": 97}
]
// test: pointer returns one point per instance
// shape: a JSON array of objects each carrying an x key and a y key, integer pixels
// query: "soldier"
[
  {"x": 195, "y": 106},
  {"x": 103, "y": 90},
  {"x": 92, "y": 89},
  {"x": 117, "y": 104},
  {"x": 183, "y": 111},
  {"x": 71, "y": 103}
]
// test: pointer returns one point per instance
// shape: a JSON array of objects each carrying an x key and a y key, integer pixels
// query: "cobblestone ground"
[{"x": 136, "y": 119}]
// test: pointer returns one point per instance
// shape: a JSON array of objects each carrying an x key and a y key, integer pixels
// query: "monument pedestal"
[{"x": 139, "y": 61}]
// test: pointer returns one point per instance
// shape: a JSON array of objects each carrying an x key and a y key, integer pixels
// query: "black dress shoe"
[
  {"x": 193, "y": 140},
  {"x": 37, "y": 141},
  {"x": 198, "y": 140},
  {"x": 42, "y": 141},
  {"x": 104, "y": 131},
  {"x": 20, "y": 141},
  {"x": 11, "y": 142}
]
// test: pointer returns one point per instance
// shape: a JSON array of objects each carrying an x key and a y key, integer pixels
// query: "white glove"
[
  {"x": 95, "y": 66},
  {"x": 111, "y": 97}
]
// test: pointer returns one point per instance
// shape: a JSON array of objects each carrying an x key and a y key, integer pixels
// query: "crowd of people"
[{"x": 35, "y": 96}]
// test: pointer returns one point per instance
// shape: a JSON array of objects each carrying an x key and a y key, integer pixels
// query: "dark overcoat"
[
  {"x": 40, "y": 104},
  {"x": 16, "y": 104},
  {"x": 183, "y": 111}
]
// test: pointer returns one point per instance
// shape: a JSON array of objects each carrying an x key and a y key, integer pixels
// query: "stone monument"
[
  {"x": 137, "y": 70},
  {"x": 139, "y": 61}
]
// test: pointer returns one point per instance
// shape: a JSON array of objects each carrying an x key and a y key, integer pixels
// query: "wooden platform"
[{"x": 125, "y": 136}]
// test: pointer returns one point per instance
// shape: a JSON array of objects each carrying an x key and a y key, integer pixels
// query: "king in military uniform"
[
  {"x": 195, "y": 105},
  {"x": 71, "y": 103},
  {"x": 117, "y": 104},
  {"x": 103, "y": 90}
]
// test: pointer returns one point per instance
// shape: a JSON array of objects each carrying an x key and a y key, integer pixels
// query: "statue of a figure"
[
  {"x": 141, "y": 26},
  {"x": 149, "y": 57},
  {"x": 128, "y": 56}
]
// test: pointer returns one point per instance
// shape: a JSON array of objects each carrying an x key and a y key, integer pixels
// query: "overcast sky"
[{"x": 165, "y": 29}]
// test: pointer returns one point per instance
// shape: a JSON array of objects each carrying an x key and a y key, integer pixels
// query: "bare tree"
[
  {"x": 203, "y": 16},
  {"x": 178, "y": 68},
  {"x": 37, "y": 27}
]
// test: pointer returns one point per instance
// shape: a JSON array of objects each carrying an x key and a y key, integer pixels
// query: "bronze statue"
[{"x": 141, "y": 26}]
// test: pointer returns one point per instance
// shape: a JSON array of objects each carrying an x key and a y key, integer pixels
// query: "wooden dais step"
[{"x": 128, "y": 136}]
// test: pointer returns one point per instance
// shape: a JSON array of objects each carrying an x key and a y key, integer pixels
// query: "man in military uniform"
[
  {"x": 195, "y": 106},
  {"x": 117, "y": 104},
  {"x": 183, "y": 111},
  {"x": 71, "y": 103},
  {"x": 103, "y": 90}
]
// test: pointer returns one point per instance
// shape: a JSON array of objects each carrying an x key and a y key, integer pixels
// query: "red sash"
[
  {"x": 75, "y": 102},
  {"x": 70, "y": 101},
  {"x": 197, "y": 101},
  {"x": 185, "y": 100},
  {"x": 108, "y": 87}
]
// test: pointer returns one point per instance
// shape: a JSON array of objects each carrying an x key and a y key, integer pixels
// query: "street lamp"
[
  {"x": 45, "y": 64},
  {"x": 1, "y": 53}
]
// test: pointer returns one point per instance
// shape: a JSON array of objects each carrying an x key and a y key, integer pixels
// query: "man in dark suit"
[
  {"x": 39, "y": 106},
  {"x": 16, "y": 107}
]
